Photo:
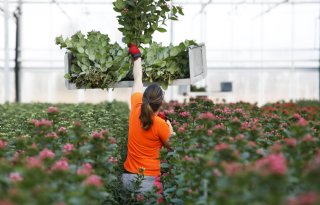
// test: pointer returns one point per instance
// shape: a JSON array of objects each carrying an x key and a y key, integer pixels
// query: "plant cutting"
[{"x": 139, "y": 19}]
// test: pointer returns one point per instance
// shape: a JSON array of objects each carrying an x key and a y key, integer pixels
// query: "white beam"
[
  {"x": 182, "y": 2},
  {"x": 6, "y": 80}
]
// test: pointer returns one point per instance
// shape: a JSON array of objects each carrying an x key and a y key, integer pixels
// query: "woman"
[{"x": 147, "y": 132}]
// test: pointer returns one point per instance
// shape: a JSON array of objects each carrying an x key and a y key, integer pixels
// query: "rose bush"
[{"x": 235, "y": 153}]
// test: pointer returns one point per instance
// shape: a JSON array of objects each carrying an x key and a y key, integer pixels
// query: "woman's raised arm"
[{"x": 137, "y": 68}]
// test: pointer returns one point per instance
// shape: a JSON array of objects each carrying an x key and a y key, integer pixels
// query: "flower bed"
[{"x": 224, "y": 154}]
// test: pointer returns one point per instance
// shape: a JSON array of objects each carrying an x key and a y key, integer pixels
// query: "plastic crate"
[{"x": 197, "y": 66}]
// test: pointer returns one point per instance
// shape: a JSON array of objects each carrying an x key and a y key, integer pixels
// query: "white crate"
[{"x": 197, "y": 66}]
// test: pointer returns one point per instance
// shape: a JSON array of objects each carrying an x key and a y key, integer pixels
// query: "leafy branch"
[{"x": 139, "y": 19}]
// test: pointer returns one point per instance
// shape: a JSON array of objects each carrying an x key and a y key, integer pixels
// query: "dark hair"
[{"x": 151, "y": 102}]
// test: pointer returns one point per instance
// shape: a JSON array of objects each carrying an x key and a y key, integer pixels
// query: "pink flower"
[
  {"x": 221, "y": 146},
  {"x": 272, "y": 164},
  {"x": 209, "y": 132},
  {"x": 240, "y": 137},
  {"x": 227, "y": 111},
  {"x": 291, "y": 142},
  {"x": 207, "y": 115},
  {"x": 235, "y": 119},
  {"x": 112, "y": 140},
  {"x": 33, "y": 162},
  {"x": 297, "y": 116},
  {"x": 62, "y": 130},
  {"x": 302, "y": 122},
  {"x": 309, "y": 138},
  {"x": 93, "y": 180},
  {"x": 113, "y": 160},
  {"x": 170, "y": 112},
  {"x": 239, "y": 110},
  {"x": 187, "y": 158},
  {"x": 245, "y": 125},
  {"x": 46, "y": 153},
  {"x": 53, "y": 110},
  {"x": 67, "y": 148},
  {"x": 85, "y": 170},
  {"x": 42, "y": 123},
  {"x": 310, "y": 198},
  {"x": 61, "y": 165},
  {"x": 158, "y": 184},
  {"x": 184, "y": 114},
  {"x": 140, "y": 197},
  {"x": 252, "y": 144},
  {"x": 52, "y": 135},
  {"x": 181, "y": 129},
  {"x": 97, "y": 135},
  {"x": 3, "y": 144},
  {"x": 15, "y": 177},
  {"x": 218, "y": 126}
]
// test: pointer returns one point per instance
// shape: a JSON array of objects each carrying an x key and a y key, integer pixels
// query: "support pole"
[
  {"x": 17, "y": 61},
  {"x": 6, "y": 80}
]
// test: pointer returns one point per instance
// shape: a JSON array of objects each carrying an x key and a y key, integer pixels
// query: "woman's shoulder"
[{"x": 158, "y": 121}]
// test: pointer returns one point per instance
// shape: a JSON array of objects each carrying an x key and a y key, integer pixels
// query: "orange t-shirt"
[{"x": 144, "y": 145}]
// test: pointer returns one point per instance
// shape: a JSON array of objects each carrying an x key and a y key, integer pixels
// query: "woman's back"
[{"x": 144, "y": 145}]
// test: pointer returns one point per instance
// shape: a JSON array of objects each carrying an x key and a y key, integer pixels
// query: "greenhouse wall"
[{"x": 268, "y": 53}]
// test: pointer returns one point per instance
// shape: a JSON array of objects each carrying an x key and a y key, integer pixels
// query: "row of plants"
[
  {"x": 242, "y": 154},
  {"x": 227, "y": 154},
  {"x": 62, "y": 153}
]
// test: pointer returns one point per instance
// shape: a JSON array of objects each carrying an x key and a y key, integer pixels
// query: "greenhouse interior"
[{"x": 207, "y": 102}]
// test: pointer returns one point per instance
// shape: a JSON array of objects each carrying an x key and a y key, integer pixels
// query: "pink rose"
[{"x": 15, "y": 177}]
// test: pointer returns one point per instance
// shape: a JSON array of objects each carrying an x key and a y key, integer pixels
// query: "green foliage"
[
  {"x": 96, "y": 63},
  {"x": 139, "y": 19},
  {"x": 228, "y": 154}
]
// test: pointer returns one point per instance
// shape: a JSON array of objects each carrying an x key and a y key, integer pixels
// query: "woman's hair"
[{"x": 151, "y": 102}]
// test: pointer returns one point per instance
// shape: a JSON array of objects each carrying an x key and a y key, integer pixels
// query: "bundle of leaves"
[
  {"x": 141, "y": 18},
  {"x": 97, "y": 63}
]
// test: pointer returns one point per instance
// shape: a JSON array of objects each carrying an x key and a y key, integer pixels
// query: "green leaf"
[
  {"x": 180, "y": 10},
  {"x": 174, "y": 51},
  {"x": 119, "y": 4},
  {"x": 173, "y": 18},
  {"x": 130, "y": 2},
  {"x": 59, "y": 40},
  {"x": 80, "y": 49},
  {"x": 67, "y": 76},
  {"x": 69, "y": 43},
  {"x": 162, "y": 30},
  {"x": 108, "y": 64}
]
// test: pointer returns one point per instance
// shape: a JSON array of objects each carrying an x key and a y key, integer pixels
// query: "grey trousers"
[{"x": 146, "y": 185}]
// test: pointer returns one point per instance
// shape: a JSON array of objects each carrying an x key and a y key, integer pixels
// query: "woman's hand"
[{"x": 134, "y": 51}]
